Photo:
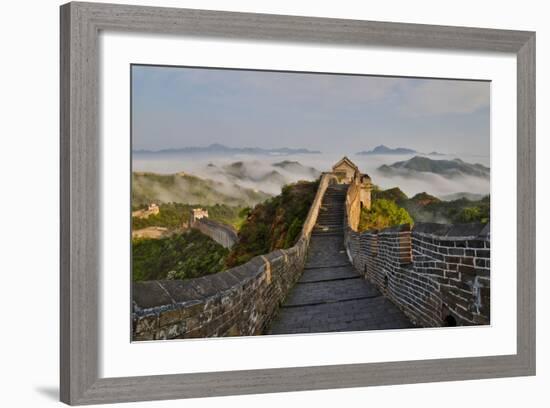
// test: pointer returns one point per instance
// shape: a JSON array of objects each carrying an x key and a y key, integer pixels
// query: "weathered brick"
[
  {"x": 148, "y": 323},
  {"x": 476, "y": 244},
  {"x": 483, "y": 253}
]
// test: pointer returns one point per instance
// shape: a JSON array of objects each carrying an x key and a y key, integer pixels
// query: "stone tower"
[{"x": 358, "y": 195}]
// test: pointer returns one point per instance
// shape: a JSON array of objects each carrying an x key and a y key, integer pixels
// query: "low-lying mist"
[{"x": 258, "y": 172}]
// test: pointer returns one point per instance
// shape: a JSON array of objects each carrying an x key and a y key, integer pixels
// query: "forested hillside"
[
  {"x": 181, "y": 256},
  {"x": 274, "y": 224},
  {"x": 174, "y": 215},
  {"x": 392, "y": 207},
  {"x": 189, "y": 189}
]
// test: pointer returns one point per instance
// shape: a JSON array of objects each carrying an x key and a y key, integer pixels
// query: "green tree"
[{"x": 382, "y": 214}]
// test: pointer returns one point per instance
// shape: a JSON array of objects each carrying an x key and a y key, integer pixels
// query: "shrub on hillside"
[{"x": 383, "y": 214}]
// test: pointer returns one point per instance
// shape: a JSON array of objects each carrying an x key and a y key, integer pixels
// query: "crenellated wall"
[
  {"x": 223, "y": 234},
  {"x": 437, "y": 274},
  {"x": 240, "y": 301}
]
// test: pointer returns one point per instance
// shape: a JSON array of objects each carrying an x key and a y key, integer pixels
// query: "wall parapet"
[
  {"x": 239, "y": 301},
  {"x": 436, "y": 274}
]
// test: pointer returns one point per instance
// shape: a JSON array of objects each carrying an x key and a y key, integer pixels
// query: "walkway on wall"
[{"x": 330, "y": 295}]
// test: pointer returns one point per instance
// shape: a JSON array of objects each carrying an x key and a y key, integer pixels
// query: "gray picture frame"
[{"x": 81, "y": 24}]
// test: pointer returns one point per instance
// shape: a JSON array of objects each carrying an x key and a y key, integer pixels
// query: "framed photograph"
[{"x": 260, "y": 203}]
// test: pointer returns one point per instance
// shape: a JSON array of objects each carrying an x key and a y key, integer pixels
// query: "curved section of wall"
[
  {"x": 223, "y": 234},
  {"x": 437, "y": 274},
  {"x": 240, "y": 301}
]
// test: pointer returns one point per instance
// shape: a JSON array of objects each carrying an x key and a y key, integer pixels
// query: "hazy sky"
[{"x": 178, "y": 107}]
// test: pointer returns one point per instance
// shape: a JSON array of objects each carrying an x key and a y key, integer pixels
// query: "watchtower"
[{"x": 199, "y": 213}]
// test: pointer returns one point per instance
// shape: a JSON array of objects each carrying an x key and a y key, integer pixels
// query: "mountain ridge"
[
  {"x": 219, "y": 148},
  {"x": 382, "y": 149},
  {"x": 446, "y": 168},
  {"x": 186, "y": 188}
]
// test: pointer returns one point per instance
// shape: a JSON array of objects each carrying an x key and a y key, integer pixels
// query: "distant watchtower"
[
  {"x": 359, "y": 190},
  {"x": 199, "y": 213},
  {"x": 345, "y": 170}
]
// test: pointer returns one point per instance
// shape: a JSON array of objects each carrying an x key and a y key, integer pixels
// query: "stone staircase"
[{"x": 330, "y": 220}]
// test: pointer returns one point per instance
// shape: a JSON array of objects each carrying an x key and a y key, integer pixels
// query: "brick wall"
[
  {"x": 437, "y": 274},
  {"x": 221, "y": 233},
  {"x": 240, "y": 301}
]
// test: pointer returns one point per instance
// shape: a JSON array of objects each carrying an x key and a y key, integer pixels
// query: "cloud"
[{"x": 443, "y": 97}]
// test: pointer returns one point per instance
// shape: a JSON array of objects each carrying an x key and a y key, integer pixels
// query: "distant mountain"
[
  {"x": 423, "y": 199},
  {"x": 298, "y": 168},
  {"x": 268, "y": 177},
  {"x": 272, "y": 177},
  {"x": 388, "y": 150},
  {"x": 219, "y": 149},
  {"x": 436, "y": 154},
  {"x": 188, "y": 189},
  {"x": 248, "y": 171},
  {"x": 236, "y": 169},
  {"x": 392, "y": 194},
  {"x": 462, "y": 195},
  {"x": 446, "y": 168}
]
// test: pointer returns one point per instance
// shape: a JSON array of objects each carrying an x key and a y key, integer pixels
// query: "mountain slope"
[
  {"x": 189, "y": 189},
  {"x": 298, "y": 168},
  {"x": 392, "y": 194},
  {"x": 424, "y": 207},
  {"x": 274, "y": 224},
  {"x": 458, "y": 196},
  {"x": 446, "y": 168}
]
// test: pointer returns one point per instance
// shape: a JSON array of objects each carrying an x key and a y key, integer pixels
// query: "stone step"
[
  {"x": 333, "y": 227},
  {"x": 330, "y": 291},
  {"x": 326, "y": 234},
  {"x": 369, "y": 313},
  {"x": 327, "y": 274}
]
